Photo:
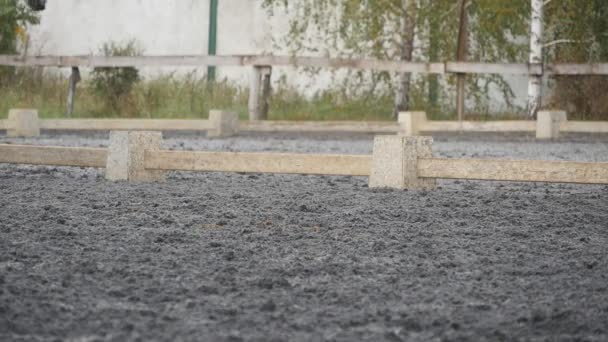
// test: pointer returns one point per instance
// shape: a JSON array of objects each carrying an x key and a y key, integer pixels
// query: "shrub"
[{"x": 113, "y": 86}]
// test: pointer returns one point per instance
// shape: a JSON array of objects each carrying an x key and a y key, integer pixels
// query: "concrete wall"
[{"x": 180, "y": 27}]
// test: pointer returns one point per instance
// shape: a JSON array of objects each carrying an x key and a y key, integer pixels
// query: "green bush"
[
  {"x": 114, "y": 86},
  {"x": 14, "y": 17}
]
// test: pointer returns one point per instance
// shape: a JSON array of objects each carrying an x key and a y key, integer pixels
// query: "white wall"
[{"x": 178, "y": 27}]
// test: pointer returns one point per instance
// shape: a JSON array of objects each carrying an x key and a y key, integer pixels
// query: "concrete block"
[
  {"x": 126, "y": 156},
  {"x": 395, "y": 162},
  {"x": 411, "y": 122},
  {"x": 224, "y": 124},
  {"x": 548, "y": 123},
  {"x": 23, "y": 123}
]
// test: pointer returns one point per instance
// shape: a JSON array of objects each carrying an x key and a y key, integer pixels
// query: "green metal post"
[{"x": 212, "y": 37}]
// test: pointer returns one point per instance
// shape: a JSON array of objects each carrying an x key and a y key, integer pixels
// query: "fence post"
[
  {"x": 254, "y": 94},
  {"x": 126, "y": 156},
  {"x": 395, "y": 162},
  {"x": 411, "y": 122},
  {"x": 224, "y": 124},
  {"x": 548, "y": 123},
  {"x": 266, "y": 74},
  {"x": 259, "y": 87},
  {"x": 74, "y": 79},
  {"x": 23, "y": 123}
]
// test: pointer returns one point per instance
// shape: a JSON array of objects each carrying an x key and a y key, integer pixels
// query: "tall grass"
[
  {"x": 181, "y": 96},
  {"x": 189, "y": 95}
]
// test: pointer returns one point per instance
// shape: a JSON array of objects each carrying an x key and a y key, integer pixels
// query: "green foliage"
[
  {"x": 14, "y": 18},
  {"x": 113, "y": 86},
  {"x": 361, "y": 28},
  {"x": 581, "y": 28}
]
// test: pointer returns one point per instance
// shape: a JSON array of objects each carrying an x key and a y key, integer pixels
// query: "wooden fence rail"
[
  {"x": 397, "y": 161},
  {"x": 296, "y": 61},
  {"x": 53, "y": 155},
  {"x": 514, "y": 170},
  {"x": 312, "y": 164}
]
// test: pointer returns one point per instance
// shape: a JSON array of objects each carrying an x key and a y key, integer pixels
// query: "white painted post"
[
  {"x": 126, "y": 156},
  {"x": 536, "y": 57},
  {"x": 411, "y": 122},
  {"x": 225, "y": 124},
  {"x": 23, "y": 123},
  {"x": 395, "y": 162},
  {"x": 266, "y": 78},
  {"x": 548, "y": 123},
  {"x": 254, "y": 93}
]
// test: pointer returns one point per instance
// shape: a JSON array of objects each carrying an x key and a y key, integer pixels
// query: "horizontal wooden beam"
[
  {"x": 53, "y": 155},
  {"x": 316, "y": 164},
  {"x": 577, "y": 69},
  {"x": 125, "y": 124},
  {"x": 478, "y": 126},
  {"x": 359, "y": 64},
  {"x": 493, "y": 68},
  {"x": 320, "y": 126},
  {"x": 299, "y": 61},
  {"x": 584, "y": 126},
  {"x": 121, "y": 61},
  {"x": 514, "y": 170}
]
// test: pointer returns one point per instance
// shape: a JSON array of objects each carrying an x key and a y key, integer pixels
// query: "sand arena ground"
[{"x": 231, "y": 257}]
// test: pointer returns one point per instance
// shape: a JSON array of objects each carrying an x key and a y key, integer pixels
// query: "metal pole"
[{"x": 212, "y": 50}]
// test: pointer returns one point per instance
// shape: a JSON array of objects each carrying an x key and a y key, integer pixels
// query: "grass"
[{"x": 190, "y": 96}]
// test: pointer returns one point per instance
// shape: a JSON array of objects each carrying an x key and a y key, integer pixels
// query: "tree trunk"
[
  {"x": 536, "y": 57},
  {"x": 408, "y": 29},
  {"x": 433, "y": 91},
  {"x": 461, "y": 56}
]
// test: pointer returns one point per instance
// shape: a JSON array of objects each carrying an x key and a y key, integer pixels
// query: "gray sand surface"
[{"x": 232, "y": 257}]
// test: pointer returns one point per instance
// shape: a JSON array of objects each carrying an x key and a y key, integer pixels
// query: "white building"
[{"x": 178, "y": 27}]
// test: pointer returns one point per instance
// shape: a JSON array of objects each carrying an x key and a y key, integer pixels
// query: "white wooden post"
[
  {"x": 254, "y": 93},
  {"x": 536, "y": 57}
]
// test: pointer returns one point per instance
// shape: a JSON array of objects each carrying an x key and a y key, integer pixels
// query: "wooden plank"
[
  {"x": 120, "y": 61},
  {"x": 577, "y": 69},
  {"x": 321, "y": 126},
  {"x": 584, "y": 126},
  {"x": 126, "y": 124},
  {"x": 514, "y": 170},
  {"x": 318, "y": 62},
  {"x": 317, "y": 164},
  {"x": 361, "y": 64},
  {"x": 492, "y": 68},
  {"x": 53, "y": 155},
  {"x": 478, "y": 126}
]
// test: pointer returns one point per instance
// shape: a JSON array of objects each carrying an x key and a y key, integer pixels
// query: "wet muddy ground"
[{"x": 232, "y": 257}]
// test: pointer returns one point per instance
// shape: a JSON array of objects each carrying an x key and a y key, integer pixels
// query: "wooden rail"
[
  {"x": 296, "y": 61},
  {"x": 370, "y": 127},
  {"x": 514, "y": 170},
  {"x": 126, "y": 124},
  {"x": 316, "y": 164},
  {"x": 53, "y": 155},
  {"x": 584, "y": 126},
  {"x": 478, "y": 126},
  {"x": 320, "y": 126}
]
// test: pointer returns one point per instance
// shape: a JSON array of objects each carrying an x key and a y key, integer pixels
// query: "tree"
[
  {"x": 535, "y": 82},
  {"x": 386, "y": 29},
  {"x": 14, "y": 18},
  {"x": 577, "y": 32}
]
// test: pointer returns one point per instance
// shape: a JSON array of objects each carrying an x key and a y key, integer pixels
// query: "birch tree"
[
  {"x": 536, "y": 57},
  {"x": 409, "y": 30}
]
